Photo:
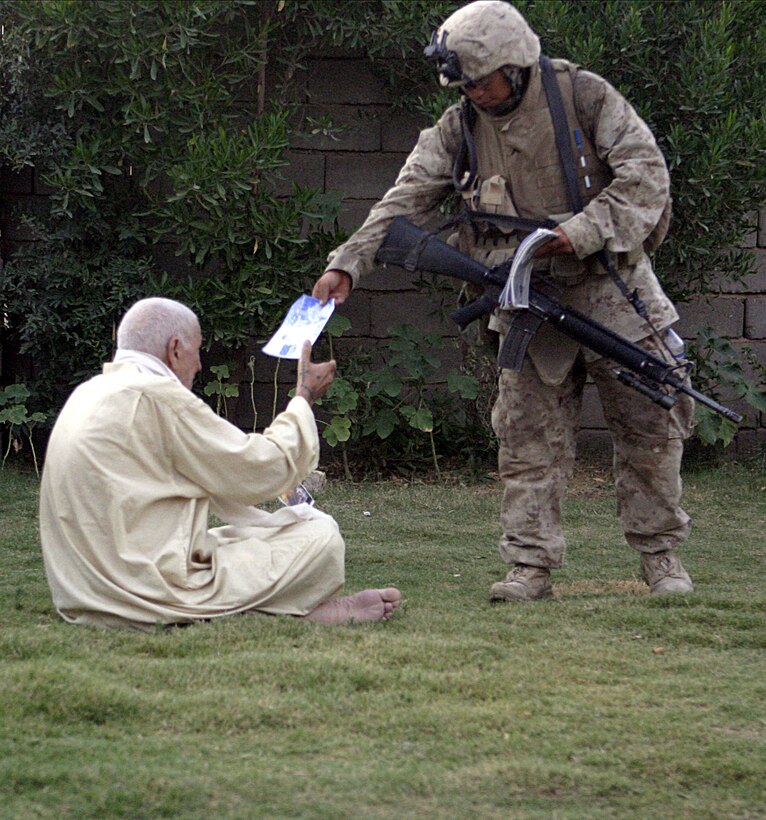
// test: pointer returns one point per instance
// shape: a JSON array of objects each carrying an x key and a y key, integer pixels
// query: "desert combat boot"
[
  {"x": 664, "y": 573},
  {"x": 523, "y": 583}
]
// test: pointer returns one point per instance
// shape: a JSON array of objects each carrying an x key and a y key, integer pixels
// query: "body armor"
[{"x": 520, "y": 174}]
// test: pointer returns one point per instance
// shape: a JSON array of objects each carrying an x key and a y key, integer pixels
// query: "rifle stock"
[{"x": 414, "y": 249}]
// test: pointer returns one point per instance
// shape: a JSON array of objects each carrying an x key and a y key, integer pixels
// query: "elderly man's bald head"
[
  {"x": 167, "y": 330},
  {"x": 151, "y": 323}
]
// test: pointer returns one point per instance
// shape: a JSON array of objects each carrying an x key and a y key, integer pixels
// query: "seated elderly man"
[{"x": 136, "y": 462}]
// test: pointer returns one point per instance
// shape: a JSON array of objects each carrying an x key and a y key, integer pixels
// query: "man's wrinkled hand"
[
  {"x": 313, "y": 377},
  {"x": 332, "y": 284},
  {"x": 557, "y": 246}
]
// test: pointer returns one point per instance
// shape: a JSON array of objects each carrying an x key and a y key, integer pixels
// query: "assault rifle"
[{"x": 508, "y": 285}]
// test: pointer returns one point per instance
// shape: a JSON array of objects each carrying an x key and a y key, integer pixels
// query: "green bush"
[
  {"x": 151, "y": 124},
  {"x": 16, "y": 420},
  {"x": 159, "y": 143},
  {"x": 399, "y": 413}
]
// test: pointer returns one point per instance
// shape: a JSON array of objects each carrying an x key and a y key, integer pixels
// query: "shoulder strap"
[
  {"x": 466, "y": 165},
  {"x": 561, "y": 132},
  {"x": 566, "y": 156}
]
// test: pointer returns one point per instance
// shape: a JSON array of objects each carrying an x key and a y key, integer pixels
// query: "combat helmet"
[{"x": 480, "y": 38}]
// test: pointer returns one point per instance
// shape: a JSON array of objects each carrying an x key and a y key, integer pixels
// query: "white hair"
[{"x": 151, "y": 323}]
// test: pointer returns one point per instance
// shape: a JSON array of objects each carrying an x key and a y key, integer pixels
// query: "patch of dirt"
[{"x": 597, "y": 588}]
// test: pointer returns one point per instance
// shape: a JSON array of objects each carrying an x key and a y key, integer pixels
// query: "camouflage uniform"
[{"x": 626, "y": 208}]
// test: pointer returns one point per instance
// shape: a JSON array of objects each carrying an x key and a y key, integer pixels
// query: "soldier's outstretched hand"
[{"x": 332, "y": 284}]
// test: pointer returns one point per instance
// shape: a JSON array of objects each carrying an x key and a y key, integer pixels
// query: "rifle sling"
[
  {"x": 561, "y": 132},
  {"x": 569, "y": 167},
  {"x": 466, "y": 165},
  {"x": 516, "y": 223}
]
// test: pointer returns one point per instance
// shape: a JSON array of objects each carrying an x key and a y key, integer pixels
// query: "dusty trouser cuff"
[{"x": 549, "y": 557}]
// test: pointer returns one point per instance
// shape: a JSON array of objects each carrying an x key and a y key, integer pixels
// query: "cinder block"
[
  {"x": 388, "y": 278},
  {"x": 359, "y": 128},
  {"x": 750, "y": 443},
  {"x": 346, "y": 346},
  {"x": 755, "y": 317},
  {"x": 353, "y": 212},
  {"x": 751, "y": 239},
  {"x": 760, "y": 266},
  {"x": 17, "y": 182},
  {"x": 400, "y": 131},
  {"x": 727, "y": 398},
  {"x": 358, "y": 310},
  {"x": 594, "y": 447},
  {"x": 415, "y": 309},
  {"x": 344, "y": 82},
  {"x": 725, "y": 314},
  {"x": 592, "y": 416},
  {"x": 304, "y": 168},
  {"x": 755, "y": 283},
  {"x": 450, "y": 356},
  {"x": 757, "y": 348},
  {"x": 241, "y": 413},
  {"x": 269, "y": 367},
  {"x": 350, "y": 351},
  {"x": 377, "y": 352},
  {"x": 361, "y": 176}
]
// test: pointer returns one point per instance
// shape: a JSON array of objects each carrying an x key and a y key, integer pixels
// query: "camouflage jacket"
[{"x": 619, "y": 218}]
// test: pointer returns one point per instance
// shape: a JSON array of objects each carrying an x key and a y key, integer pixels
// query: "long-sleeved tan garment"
[{"x": 134, "y": 465}]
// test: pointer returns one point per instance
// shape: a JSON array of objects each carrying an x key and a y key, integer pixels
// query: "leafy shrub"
[
  {"x": 19, "y": 422},
  {"x": 163, "y": 147},
  {"x": 393, "y": 412},
  {"x": 727, "y": 373},
  {"x": 151, "y": 124}
]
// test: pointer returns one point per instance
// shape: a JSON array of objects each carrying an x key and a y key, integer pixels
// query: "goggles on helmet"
[{"x": 447, "y": 61}]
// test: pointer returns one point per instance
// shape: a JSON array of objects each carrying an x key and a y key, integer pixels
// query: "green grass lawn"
[{"x": 602, "y": 702}]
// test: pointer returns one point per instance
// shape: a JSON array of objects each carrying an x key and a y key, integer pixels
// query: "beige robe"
[{"x": 134, "y": 465}]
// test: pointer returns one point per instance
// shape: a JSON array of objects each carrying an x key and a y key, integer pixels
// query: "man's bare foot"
[{"x": 368, "y": 605}]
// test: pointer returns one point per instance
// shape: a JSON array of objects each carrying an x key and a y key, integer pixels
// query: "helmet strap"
[{"x": 518, "y": 79}]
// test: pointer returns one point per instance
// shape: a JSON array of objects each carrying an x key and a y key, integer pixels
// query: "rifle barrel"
[{"x": 726, "y": 412}]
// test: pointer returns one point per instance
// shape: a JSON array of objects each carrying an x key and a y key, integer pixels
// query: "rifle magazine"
[{"x": 524, "y": 325}]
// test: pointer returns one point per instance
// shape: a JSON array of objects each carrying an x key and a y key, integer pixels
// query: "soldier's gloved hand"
[
  {"x": 332, "y": 284},
  {"x": 557, "y": 246}
]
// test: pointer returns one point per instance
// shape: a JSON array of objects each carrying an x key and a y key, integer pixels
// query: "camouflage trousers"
[{"x": 536, "y": 425}]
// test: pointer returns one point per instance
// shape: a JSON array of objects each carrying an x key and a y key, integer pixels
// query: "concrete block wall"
[
  {"x": 361, "y": 160},
  {"x": 364, "y": 162},
  {"x": 737, "y": 312},
  {"x": 361, "y": 163}
]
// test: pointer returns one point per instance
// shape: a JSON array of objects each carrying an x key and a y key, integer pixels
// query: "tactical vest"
[{"x": 520, "y": 172}]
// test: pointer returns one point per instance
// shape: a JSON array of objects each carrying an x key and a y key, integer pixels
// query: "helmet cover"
[{"x": 480, "y": 38}]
